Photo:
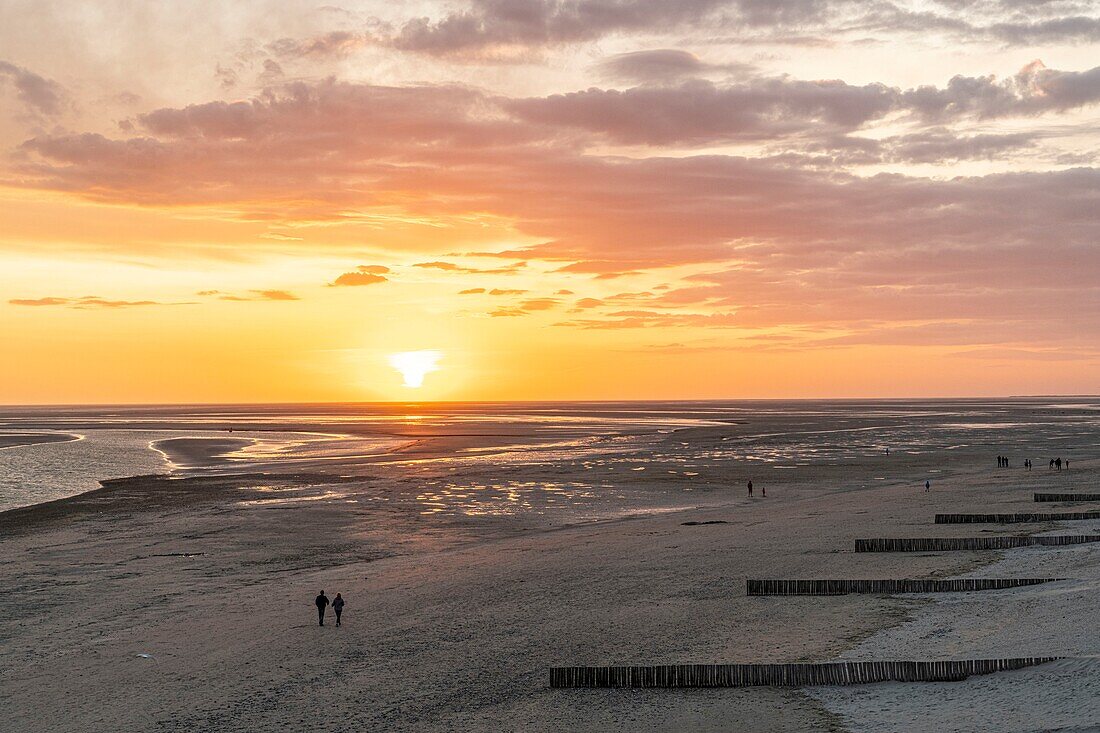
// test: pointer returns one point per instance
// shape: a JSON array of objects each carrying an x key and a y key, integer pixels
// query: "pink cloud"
[{"x": 778, "y": 243}]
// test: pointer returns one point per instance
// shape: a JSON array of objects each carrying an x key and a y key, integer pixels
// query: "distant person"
[
  {"x": 750, "y": 488},
  {"x": 927, "y": 485},
  {"x": 1058, "y": 463},
  {"x": 887, "y": 451},
  {"x": 1051, "y": 464},
  {"x": 764, "y": 492},
  {"x": 337, "y": 607},
  {"x": 322, "y": 604}
]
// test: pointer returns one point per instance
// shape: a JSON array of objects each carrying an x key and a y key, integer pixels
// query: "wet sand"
[
  {"x": 16, "y": 440},
  {"x": 452, "y": 623}
]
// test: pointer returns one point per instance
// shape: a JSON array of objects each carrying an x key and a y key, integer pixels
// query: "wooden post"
[
  {"x": 938, "y": 544},
  {"x": 1011, "y": 518},
  {"x": 783, "y": 675},
  {"x": 774, "y": 587}
]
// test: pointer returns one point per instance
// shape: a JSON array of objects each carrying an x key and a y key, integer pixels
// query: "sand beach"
[{"x": 185, "y": 603}]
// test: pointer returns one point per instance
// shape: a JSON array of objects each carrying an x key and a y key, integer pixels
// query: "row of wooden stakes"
[
  {"x": 848, "y": 673},
  {"x": 783, "y": 675},
  {"x": 777, "y": 587}
]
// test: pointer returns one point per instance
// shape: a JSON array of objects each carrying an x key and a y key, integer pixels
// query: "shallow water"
[{"x": 667, "y": 447}]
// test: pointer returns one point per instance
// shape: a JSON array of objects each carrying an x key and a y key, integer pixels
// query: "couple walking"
[{"x": 323, "y": 603}]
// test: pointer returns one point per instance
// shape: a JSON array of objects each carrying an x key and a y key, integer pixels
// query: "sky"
[{"x": 265, "y": 201}]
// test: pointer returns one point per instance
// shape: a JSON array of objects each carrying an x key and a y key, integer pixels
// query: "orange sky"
[{"x": 568, "y": 200}]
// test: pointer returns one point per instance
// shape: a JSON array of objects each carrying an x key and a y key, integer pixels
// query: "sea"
[{"x": 52, "y": 452}]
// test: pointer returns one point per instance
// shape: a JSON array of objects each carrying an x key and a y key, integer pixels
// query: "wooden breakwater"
[
  {"x": 783, "y": 675},
  {"x": 1013, "y": 518},
  {"x": 936, "y": 544},
  {"x": 1067, "y": 497},
  {"x": 776, "y": 587}
]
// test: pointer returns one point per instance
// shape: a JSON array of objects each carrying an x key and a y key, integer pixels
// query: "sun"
[{"x": 413, "y": 365}]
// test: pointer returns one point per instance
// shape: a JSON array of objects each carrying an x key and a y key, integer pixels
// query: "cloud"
[
  {"x": 1034, "y": 90},
  {"x": 934, "y": 145},
  {"x": 1010, "y": 23},
  {"x": 1071, "y": 29},
  {"x": 698, "y": 111},
  {"x": 362, "y": 275},
  {"x": 275, "y": 295},
  {"x": 539, "y": 304},
  {"x": 1016, "y": 354},
  {"x": 604, "y": 215},
  {"x": 508, "y": 312},
  {"x": 256, "y": 295},
  {"x": 472, "y": 291},
  {"x": 513, "y": 29},
  {"x": 662, "y": 65},
  {"x": 272, "y": 72},
  {"x": 334, "y": 43},
  {"x": 88, "y": 301},
  {"x": 941, "y": 145},
  {"x": 510, "y": 31},
  {"x": 289, "y": 147},
  {"x": 651, "y": 319},
  {"x": 506, "y": 291},
  {"x": 527, "y": 307},
  {"x": 40, "y": 95},
  {"x": 779, "y": 243},
  {"x": 452, "y": 267},
  {"x": 701, "y": 112}
]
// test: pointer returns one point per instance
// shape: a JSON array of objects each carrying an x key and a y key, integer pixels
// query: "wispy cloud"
[
  {"x": 253, "y": 295},
  {"x": 86, "y": 302},
  {"x": 37, "y": 93},
  {"x": 452, "y": 267}
]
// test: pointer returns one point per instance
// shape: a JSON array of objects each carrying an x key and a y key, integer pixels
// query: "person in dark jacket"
[
  {"x": 322, "y": 604},
  {"x": 337, "y": 607}
]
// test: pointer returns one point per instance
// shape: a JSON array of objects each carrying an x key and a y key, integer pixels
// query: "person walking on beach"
[
  {"x": 322, "y": 604},
  {"x": 337, "y": 607},
  {"x": 927, "y": 485},
  {"x": 750, "y": 488}
]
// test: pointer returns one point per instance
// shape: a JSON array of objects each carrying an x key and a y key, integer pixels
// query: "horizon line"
[{"x": 6, "y": 406}]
